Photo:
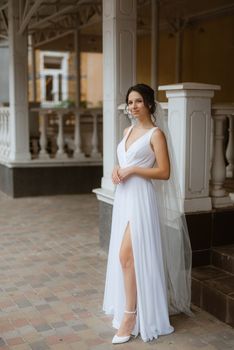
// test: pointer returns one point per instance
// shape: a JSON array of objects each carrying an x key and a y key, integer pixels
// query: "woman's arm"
[
  {"x": 115, "y": 176},
  {"x": 162, "y": 171}
]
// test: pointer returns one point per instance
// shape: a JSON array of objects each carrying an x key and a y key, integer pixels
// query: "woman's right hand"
[{"x": 115, "y": 176}]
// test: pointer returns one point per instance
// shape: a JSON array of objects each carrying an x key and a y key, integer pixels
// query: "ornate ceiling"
[{"x": 48, "y": 20}]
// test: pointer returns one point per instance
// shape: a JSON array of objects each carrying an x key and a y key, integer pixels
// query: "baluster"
[
  {"x": 78, "y": 154},
  {"x": 1, "y": 133},
  {"x": 94, "y": 153},
  {"x": 60, "y": 139},
  {"x": 8, "y": 134},
  {"x": 4, "y": 136},
  {"x": 43, "y": 154},
  {"x": 230, "y": 148},
  {"x": 218, "y": 170}
]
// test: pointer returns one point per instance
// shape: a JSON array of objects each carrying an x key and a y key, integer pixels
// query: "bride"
[{"x": 149, "y": 261}]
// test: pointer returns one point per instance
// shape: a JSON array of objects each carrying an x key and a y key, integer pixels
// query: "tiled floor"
[{"x": 51, "y": 283}]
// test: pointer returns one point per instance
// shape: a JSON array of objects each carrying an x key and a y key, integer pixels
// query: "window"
[{"x": 53, "y": 73}]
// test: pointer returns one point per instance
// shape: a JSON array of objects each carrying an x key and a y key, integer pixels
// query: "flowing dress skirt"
[{"x": 136, "y": 203}]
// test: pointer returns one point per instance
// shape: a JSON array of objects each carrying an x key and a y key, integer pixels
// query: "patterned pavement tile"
[{"x": 52, "y": 275}]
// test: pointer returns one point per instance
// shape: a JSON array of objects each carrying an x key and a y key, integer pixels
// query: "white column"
[
  {"x": 154, "y": 44},
  {"x": 18, "y": 74},
  {"x": 230, "y": 147},
  {"x": 189, "y": 115},
  {"x": 95, "y": 154},
  {"x": 119, "y": 62}
]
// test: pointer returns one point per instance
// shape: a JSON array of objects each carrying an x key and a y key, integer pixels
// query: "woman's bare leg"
[{"x": 127, "y": 263}]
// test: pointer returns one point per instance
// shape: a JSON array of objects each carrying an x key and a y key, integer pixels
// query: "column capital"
[{"x": 189, "y": 90}]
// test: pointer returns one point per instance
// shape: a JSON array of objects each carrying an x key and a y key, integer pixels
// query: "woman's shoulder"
[{"x": 157, "y": 134}]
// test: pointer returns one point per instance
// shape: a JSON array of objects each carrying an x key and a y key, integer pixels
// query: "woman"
[{"x": 141, "y": 277}]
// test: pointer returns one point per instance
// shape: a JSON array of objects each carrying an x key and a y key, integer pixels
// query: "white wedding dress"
[{"x": 136, "y": 203}]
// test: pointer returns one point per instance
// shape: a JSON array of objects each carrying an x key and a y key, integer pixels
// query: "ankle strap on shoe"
[{"x": 130, "y": 312}]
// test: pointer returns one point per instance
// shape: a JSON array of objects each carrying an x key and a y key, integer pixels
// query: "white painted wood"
[
  {"x": 55, "y": 74},
  {"x": 189, "y": 114},
  {"x": 230, "y": 147},
  {"x": 119, "y": 62},
  {"x": 60, "y": 138},
  {"x": 220, "y": 198},
  {"x": 18, "y": 76}
]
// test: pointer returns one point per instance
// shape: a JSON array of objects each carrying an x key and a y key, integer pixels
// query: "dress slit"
[{"x": 128, "y": 226}]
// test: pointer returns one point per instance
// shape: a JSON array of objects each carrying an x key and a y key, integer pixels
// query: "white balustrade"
[
  {"x": 4, "y": 133},
  {"x": 95, "y": 153},
  {"x": 71, "y": 139},
  {"x": 230, "y": 147},
  {"x": 220, "y": 197}
]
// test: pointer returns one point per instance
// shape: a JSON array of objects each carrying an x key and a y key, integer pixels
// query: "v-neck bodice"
[{"x": 139, "y": 152}]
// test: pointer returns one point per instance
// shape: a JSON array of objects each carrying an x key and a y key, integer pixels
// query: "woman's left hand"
[{"x": 124, "y": 173}]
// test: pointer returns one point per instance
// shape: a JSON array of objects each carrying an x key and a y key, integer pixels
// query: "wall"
[{"x": 208, "y": 56}]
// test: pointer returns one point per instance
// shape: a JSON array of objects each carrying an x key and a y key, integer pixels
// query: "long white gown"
[{"x": 136, "y": 203}]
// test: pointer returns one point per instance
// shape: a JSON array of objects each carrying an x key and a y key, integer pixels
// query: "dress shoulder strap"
[{"x": 128, "y": 132}]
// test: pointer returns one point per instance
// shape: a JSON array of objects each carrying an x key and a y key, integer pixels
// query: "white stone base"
[
  {"x": 61, "y": 156},
  {"x": 79, "y": 156},
  {"x": 222, "y": 202},
  {"x": 197, "y": 204},
  {"x": 232, "y": 196},
  {"x": 104, "y": 195},
  {"x": 96, "y": 156}
]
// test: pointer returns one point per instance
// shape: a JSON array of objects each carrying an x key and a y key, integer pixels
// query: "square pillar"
[
  {"x": 189, "y": 121},
  {"x": 119, "y": 69},
  {"x": 18, "y": 86}
]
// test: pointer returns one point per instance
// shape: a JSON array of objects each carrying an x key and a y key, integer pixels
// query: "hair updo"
[{"x": 147, "y": 94}]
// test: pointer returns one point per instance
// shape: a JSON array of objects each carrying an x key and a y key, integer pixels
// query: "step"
[
  {"x": 213, "y": 291},
  {"x": 223, "y": 257}
]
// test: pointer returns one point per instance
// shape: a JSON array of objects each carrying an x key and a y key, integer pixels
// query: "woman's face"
[{"x": 136, "y": 105}]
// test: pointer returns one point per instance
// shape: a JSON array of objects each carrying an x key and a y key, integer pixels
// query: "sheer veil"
[{"x": 175, "y": 238}]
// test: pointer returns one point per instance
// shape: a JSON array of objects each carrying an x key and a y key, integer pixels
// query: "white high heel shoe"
[{"x": 122, "y": 339}]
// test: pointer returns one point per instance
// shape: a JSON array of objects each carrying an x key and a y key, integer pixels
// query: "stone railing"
[
  {"x": 4, "y": 133},
  {"x": 60, "y": 137}
]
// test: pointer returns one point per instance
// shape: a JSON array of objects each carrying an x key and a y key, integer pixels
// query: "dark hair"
[{"x": 147, "y": 94}]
